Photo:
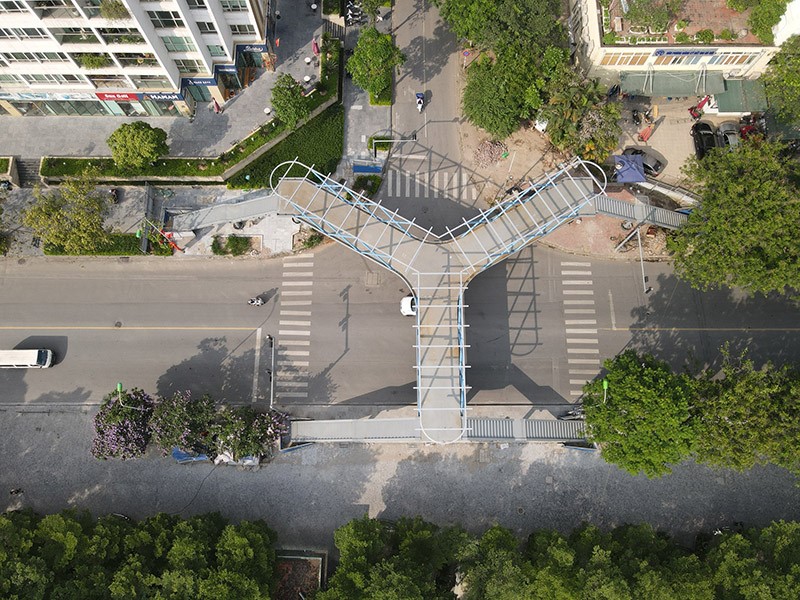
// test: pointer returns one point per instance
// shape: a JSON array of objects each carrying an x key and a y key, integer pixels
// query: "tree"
[
  {"x": 373, "y": 61},
  {"x": 743, "y": 231},
  {"x": 121, "y": 426},
  {"x": 113, "y": 10},
  {"x": 182, "y": 421},
  {"x": 290, "y": 104},
  {"x": 135, "y": 145},
  {"x": 749, "y": 416},
  {"x": 782, "y": 81},
  {"x": 580, "y": 119},
  {"x": 371, "y": 8},
  {"x": 71, "y": 217},
  {"x": 643, "y": 421}
]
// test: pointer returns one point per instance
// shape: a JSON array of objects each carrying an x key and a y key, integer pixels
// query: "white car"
[{"x": 408, "y": 306}]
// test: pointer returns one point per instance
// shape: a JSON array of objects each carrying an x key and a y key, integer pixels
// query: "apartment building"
[
  {"x": 697, "y": 52},
  {"x": 128, "y": 57}
]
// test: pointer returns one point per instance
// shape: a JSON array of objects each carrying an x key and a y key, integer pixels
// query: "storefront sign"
[
  {"x": 224, "y": 69},
  {"x": 162, "y": 96},
  {"x": 201, "y": 81},
  {"x": 123, "y": 96},
  {"x": 251, "y": 48},
  {"x": 670, "y": 52},
  {"x": 45, "y": 96}
]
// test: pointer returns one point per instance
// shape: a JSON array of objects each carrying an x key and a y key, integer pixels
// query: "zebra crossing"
[
  {"x": 580, "y": 325},
  {"x": 424, "y": 184},
  {"x": 294, "y": 328}
]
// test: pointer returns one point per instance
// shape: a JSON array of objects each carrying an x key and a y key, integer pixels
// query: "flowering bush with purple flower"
[
  {"x": 182, "y": 421},
  {"x": 243, "y": 432},
  {"x": 121, "y": 427}
]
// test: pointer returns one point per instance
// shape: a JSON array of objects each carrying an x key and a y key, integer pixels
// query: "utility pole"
[{"x": 272, "y": 372}]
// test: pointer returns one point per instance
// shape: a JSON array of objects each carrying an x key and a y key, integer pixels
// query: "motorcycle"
[
  {"x": 257, "y": 301},
  {"x": 637, "y": 117},
  {"x": 420, "y": 101}
]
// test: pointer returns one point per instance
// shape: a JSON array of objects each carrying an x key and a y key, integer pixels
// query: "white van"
[{"x": 26, "y": 359}]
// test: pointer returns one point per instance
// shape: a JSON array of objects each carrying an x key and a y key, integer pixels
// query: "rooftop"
[{"x": 659, "y": 22}]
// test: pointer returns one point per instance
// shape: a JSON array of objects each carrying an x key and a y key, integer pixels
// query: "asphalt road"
[{"x": 424, "y": 179}]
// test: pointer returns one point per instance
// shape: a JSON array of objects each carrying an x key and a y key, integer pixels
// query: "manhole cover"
[
  {"x": 520, "y": 510},
  {"x": 373, "y": 278}
]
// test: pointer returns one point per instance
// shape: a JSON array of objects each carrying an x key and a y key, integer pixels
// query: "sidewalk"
[{"x": 209, "y": 134}]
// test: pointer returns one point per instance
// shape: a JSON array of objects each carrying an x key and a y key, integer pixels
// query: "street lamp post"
[{"x": 272, "y": 372}]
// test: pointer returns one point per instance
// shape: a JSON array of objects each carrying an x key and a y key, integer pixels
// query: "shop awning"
[
  {"x": 671, "y": 83},
  {"x": 742, "y": 96}
]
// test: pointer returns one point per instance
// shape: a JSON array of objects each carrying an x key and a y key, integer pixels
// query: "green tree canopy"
[
  {"x": 743, "y": 232},
  {"x": 782, "y": 81},
  {"x": 749, "y": 416},
  {"x": 71, "y": 216},
  {"x": 373, "y": 61},
  {"x": 288, "y": 100},
  {"x": 135, "y": 145},
  {"x": 642, "y": 422}
]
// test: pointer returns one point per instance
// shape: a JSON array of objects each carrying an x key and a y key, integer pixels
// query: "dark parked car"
[
  {"x": 652, "y": 165},
  {"x": 728, "y": 134},
  {"x": 704, "y": 134}
]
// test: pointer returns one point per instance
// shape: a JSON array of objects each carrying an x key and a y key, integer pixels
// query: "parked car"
[
  {"x": 704, "y": 134},
  {"x": 652, "y": 165},
  {"x": 728, "y": 135}
]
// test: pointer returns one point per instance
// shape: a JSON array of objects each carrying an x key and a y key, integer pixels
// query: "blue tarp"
[
  {"x": 628, "y": 169},
  {"x": 184, "y": 457}
]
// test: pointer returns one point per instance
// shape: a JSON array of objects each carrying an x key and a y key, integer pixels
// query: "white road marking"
[
  {"x": 282, "y": 332},
  {"x": 298, "y": 283},
  {"x": 297, "y": 265},
  {"x": 294, "y": 352},
  {"x": 289, "y": 364},
  {"x": 577, "y": 381},
  {"x": 576, "y": 264},
  {"x": 294, "y": 293},
  {"x": 580, "y": 322},
  {"x": 295, "y": 302},
  {"x": 611, "y": 308},
  {"x": 582, "y": 351},
  {"x": 578, "y": 292},
  {"x": 580, "y": 331},
  {"x": 294, "y": 394},
  {"x": 577, "y": 282},
  {"x": 416, "y": 185},
  {"x": 256, "y": 363},
  {"x": 584, "y": 361},
  {"x": 298, "y": 273},
  {"x": 408, "y": 185},
  {"x": 576, "y": 393},
  {"x": 295, "y": 343},
  {"x": 426, "y": 183},
  {"x": 582, "y": 341},
  {"x": 294, "y": 384},
  {"x": 576, "y": 273},
  {"x": 302, "y": 256},
  {"x": 577, "y": 311},
  {"x": 295, "y": 313},
  {"x": 582, "y": 372},
  {"x": 578, "y": 302},
  {"x": 295, "y": 323},
  {"x": 397, "y": 184}
]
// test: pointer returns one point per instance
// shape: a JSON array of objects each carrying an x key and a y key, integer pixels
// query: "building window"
[
  {"x": 206, "y": 27},
  {"x": 175, "y": 43},
  {"x": 11, "y": 6},
  {"x": 151, "y": 82},
  {"x": 25, "y": 33},
  {"x": 35, "y": 57},
  {"x": 625, "y": 58},
  {"x": 9, "y": 79},
  {"x": 165, "y": 18},
  {"x": 49, "y": 79},
  {"x": 243, "y": 30},
  {"x": 732, "y": 58},
  {"x": 196, "y": 3},
  {"x": 216, "y": 50},
  {"x": 234, "y": 5},
  {"x": 187, "y": 65}
]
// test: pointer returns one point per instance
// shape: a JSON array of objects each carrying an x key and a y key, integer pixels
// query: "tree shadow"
[
  {"x": 686, "y": 327},
  {"x": 216, "y": 371}
]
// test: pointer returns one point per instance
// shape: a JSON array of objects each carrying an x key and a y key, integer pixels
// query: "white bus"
[{"x": 26, "y": 359}]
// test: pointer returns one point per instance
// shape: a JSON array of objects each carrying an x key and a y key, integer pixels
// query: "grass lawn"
[
  {"x": 319, "y": 143},
  {"x": 4, "y": 165}
]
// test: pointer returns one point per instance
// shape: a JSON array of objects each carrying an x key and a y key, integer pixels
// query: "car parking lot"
[{"x": 671, "y": 142}]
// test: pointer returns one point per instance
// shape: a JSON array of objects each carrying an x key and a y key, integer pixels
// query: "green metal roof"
[
  {"x": 741, "y": 96},
  {"x": 671, "y": 83}
]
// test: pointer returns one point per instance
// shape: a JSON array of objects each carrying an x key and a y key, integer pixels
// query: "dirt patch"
[{"x": 296, "y": 576}]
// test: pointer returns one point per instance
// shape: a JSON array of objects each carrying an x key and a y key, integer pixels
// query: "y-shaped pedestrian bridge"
[{"x": 438, "y": 267}]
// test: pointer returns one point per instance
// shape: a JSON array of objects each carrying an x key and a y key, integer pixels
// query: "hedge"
[
  {"x": 119, "y": 244},
  {"x": 4, "y": 165}
]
